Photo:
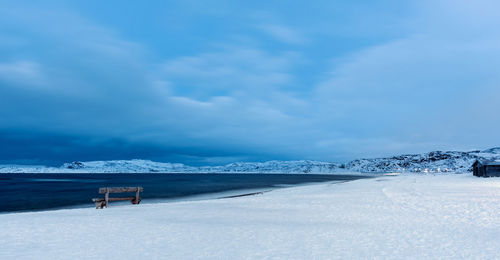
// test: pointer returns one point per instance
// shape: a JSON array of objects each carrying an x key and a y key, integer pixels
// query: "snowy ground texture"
[{"x": 401, "y": 217}]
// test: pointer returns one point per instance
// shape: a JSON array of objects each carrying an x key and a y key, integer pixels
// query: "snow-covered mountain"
[
  {"x": 276, "y": 167},
  {"x": 437, "y": 161},
  {"x": 146, "y": 166}
]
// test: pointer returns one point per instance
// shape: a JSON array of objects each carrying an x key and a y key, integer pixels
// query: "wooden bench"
[{"x": 103, "y": 202}]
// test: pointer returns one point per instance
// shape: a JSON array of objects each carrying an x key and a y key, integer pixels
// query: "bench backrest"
[{"x": 120, "y": 189}]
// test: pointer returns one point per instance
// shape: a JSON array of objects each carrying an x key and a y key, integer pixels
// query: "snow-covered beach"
[{"x": 394, "y": 217}]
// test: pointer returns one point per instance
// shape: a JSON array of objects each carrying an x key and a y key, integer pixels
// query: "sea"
[{"x": 33, "y": 192}]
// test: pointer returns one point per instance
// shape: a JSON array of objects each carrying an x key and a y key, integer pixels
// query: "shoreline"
[
  {"x": 229, "y": 193},
  {"x": 407, "y": 216}
]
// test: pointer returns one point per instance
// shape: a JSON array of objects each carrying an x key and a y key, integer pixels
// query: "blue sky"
[{"x": 224, "y": 81}]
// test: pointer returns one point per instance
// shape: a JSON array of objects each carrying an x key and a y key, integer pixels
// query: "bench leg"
[
  {"x": 99, "y": 204},
  {"x": 137, "y": 198},
  {"x": 106, "y": 198}
]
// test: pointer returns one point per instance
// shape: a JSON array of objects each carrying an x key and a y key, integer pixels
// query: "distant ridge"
[
  {"x": 436, "y": 161},
  {"x": 493, "y": 150}
]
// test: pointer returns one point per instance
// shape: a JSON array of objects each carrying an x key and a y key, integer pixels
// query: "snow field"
[{"x": 397, "y": 217}]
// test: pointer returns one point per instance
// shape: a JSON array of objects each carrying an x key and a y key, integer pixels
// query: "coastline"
[
  {"x": 406, "y": 216},
  {"x": 39, "y": 192}
]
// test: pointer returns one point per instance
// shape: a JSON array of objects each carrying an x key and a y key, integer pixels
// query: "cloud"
[
  {"x": 283, "y": 33},
  {"x": 231, "y": 69},
  {"x": 106, "y": 90},
  {"x": 423, "y": 90},
  {"x": 86, "y": 70},
  {"x": 24, "y": 73},
  {"x": 269, "y": 96}
]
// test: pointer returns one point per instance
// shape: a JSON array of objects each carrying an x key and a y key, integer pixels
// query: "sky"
[{"x": 214, "y": 82}]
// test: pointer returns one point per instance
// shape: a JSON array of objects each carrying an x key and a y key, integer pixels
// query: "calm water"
[{"x": 20, "y": 192}]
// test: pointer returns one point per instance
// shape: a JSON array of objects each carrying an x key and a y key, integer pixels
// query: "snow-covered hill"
[
  {"x": 146, "y": 166},
  {"x": 437, "y": 161},
  {"x": 276, "y": 167}
]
